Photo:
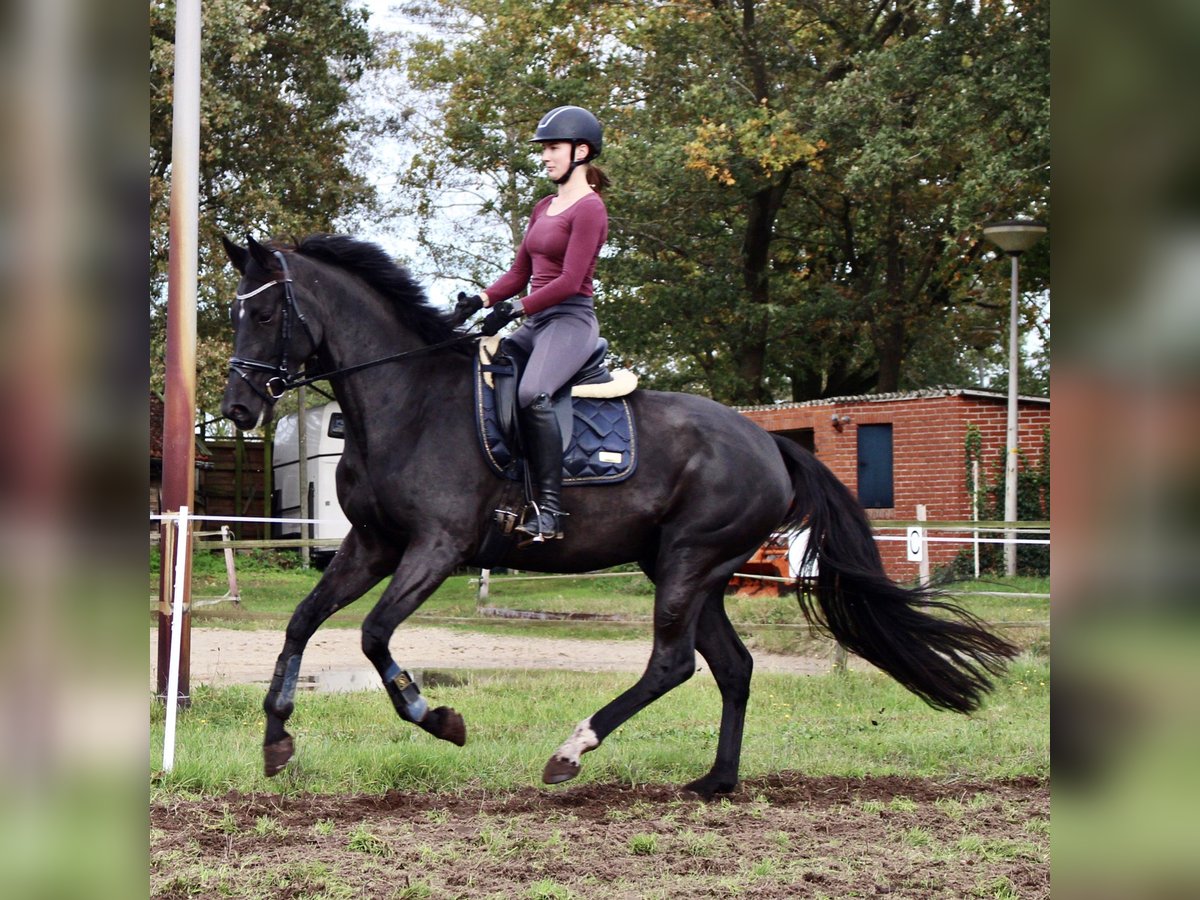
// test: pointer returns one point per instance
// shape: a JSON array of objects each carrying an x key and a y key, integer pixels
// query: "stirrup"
[{"x": 542, "y": 524}]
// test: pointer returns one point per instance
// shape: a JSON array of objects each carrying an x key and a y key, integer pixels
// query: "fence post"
[
  {"x": 485, "y": 577},
  {"x": 177, "y": 604},
  {"x": 923, "y": 565},
  {"x": 230, "y": 568},
  {"x": 839, "y": 658},
  {"x": 975, "y": 510}
]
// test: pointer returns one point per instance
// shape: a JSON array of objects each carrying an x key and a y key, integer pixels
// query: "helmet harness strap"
[{"x": 574, "y": 162}]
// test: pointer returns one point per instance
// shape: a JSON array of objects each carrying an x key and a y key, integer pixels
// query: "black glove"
[
  {"x": 466, "y": 307},
  {"x": 501, "y": 315}
]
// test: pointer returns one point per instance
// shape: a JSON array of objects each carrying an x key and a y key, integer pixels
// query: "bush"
[{"x": 1033, "y": 505}]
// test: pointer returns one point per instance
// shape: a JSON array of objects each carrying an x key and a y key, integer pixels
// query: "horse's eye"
[{"x": 265, "y": 317}]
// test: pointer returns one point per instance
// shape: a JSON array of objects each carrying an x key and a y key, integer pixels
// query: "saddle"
[{"x": 594, "y": 417}]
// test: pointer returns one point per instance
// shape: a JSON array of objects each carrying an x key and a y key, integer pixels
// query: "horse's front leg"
[
  {"x": 425, "y": 566},
  {"x": 357, "y": 567}
]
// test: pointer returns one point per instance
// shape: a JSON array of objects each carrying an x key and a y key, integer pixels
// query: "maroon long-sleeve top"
[{"x": 558, "y": 256}]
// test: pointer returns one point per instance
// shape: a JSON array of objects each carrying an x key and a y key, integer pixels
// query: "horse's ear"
[
  {"x": 239, "y": 256},
  {"x": 263, "y": 256}
]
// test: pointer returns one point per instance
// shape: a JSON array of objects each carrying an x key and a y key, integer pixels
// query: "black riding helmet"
[{"x": 574, "y": 124}]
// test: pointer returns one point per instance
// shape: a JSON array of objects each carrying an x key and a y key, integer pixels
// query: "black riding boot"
[{"x": 543, "y": 455}]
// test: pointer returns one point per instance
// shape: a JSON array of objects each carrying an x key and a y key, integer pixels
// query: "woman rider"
[{"x": 556, "y": 260}]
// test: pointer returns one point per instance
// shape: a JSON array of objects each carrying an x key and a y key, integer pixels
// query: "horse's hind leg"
[
  {"x": 732, "y": 667},
  {"x": 353, "y": 571},
  {"x": 679, "y": 597}
]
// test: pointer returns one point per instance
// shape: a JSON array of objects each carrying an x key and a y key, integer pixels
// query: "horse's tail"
[{"x": 945, "y": 659}]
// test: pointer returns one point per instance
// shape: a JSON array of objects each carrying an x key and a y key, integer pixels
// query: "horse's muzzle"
[{"x": 242, "y": 416}]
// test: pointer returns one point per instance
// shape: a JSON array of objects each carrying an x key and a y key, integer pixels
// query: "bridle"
[{"x": 281, "y": 380}]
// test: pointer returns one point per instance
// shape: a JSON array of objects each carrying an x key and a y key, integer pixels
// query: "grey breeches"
[{"x": 558, "y": 342}]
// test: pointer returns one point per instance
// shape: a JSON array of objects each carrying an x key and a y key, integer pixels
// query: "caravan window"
[{"x": 337, "y": 425}]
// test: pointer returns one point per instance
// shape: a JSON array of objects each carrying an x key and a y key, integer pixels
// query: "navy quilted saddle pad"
[{"x": 602, "y": 447}]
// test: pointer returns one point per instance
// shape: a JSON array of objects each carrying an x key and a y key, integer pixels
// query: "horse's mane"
[{"x": 372, "y": 264}]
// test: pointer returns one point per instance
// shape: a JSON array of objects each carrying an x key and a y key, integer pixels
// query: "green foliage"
[
  {"x": 798, "y": 197},
  {"x": 1033, "y": 503},
  {"x": 643, "y": 844},
  {"x": 276, "y": 145}
]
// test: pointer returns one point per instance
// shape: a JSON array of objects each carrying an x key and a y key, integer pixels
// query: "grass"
[
  {"x": 854, "y": 724},
  {"x": 272, "y": 585}
]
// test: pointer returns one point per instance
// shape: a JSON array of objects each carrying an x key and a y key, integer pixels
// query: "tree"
[
  {"x": 275, "y": 145},
  {"x": 800, "y": 185}
]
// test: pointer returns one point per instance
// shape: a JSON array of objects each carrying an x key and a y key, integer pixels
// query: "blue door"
[{"x": 875, "y": 466}]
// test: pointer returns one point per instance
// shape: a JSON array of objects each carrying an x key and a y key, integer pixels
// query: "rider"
[{"x": 559, "y": 332}]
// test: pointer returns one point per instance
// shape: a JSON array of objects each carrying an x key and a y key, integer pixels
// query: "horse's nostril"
[{"x": 239, "y": 415}]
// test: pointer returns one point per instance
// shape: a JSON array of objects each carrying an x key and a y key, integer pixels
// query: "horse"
[{"x": 709, "y": 488}]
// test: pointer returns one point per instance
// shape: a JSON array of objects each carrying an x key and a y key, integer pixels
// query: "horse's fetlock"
[
  {"x": 281, "y": 696},
  {"x": 405, "y": 693}
]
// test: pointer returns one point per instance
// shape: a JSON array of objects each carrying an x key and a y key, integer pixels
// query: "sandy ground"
[{"x": 334, "y": 656}]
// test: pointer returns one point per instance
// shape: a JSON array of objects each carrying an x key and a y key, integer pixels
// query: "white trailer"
[{"x": 325, "y": 437}]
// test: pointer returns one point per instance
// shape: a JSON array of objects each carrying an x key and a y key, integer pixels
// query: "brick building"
[{"x": 895, "y": 451}]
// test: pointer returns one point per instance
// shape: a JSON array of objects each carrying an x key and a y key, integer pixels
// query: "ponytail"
[{"x": 597, "y": 179}]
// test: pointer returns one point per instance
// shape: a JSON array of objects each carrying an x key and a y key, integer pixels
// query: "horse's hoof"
[
  {"x": 558, "y": 770},
  {"x": 451, "y": 726},
  {"x": 709, "y": 785},
  {"x": 276, "y": 755}
]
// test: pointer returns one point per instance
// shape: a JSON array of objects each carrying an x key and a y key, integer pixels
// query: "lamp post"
[{"x": 1014, "y": 237}]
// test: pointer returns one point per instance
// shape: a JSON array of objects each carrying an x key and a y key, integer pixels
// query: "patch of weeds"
[
  {"x": 414, "y": 890},
  {"x": 436, "y": 856},
  {"x": 643, "y": 844},
  {"x": 179, "y": 886},
  {"x": 265, "y": 826},
  {"x": 980, "y": 801},
  {"x": 361, "y": 840},
  {"x": 902, "y": 805},
  {"x": 917, "y": 837},
  {"x": 759, "y": 806},
  {"x": 496, "y": 840},
  {"x": 764, "y": 868},
  {"x": 323, "y": 827},
  {"x": 1038, "y": 826},
  {"x": 871, "y": 806},
  {"x": 782, "y": 840},
  {"x": 548, "y": 889},
  {"x": 438, "y": 816},
  {"x": 953, "y": 809},
  {"x": 700, "y": 845},
  {"x": 993, "y": 850},
  {"x": 999, "y": 888},
  {"x": 227, "y": 824}
]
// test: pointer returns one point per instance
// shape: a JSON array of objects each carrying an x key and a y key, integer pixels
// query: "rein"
[{"x": 282, "y": 379}]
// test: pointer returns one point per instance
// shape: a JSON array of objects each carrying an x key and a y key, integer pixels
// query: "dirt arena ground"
[{"x": 786, "y": 835}]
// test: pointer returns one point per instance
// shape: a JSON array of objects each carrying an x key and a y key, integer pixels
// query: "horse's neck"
[{"x": 394, "y": 392}]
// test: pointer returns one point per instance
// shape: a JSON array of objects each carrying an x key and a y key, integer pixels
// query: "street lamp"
[{"x": 1014, "y": 237}]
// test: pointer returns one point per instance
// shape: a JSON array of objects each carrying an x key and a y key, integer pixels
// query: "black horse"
[{"x": 710, "y": 487}]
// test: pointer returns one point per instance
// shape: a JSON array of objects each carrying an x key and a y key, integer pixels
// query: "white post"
[
  {"x": 923, "y": 516},
  {"x": 975, "y": 510},
  {"x": 230, "y": 568},
  {"x": 485, "y": 577},
  {"x": 181, "y": 545},
  {"x": 302, "y": 473},
  {"x": 1011, "y": 443}
]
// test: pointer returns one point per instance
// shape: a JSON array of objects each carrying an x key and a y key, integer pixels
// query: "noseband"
[{"x": 281, "y": 379}]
